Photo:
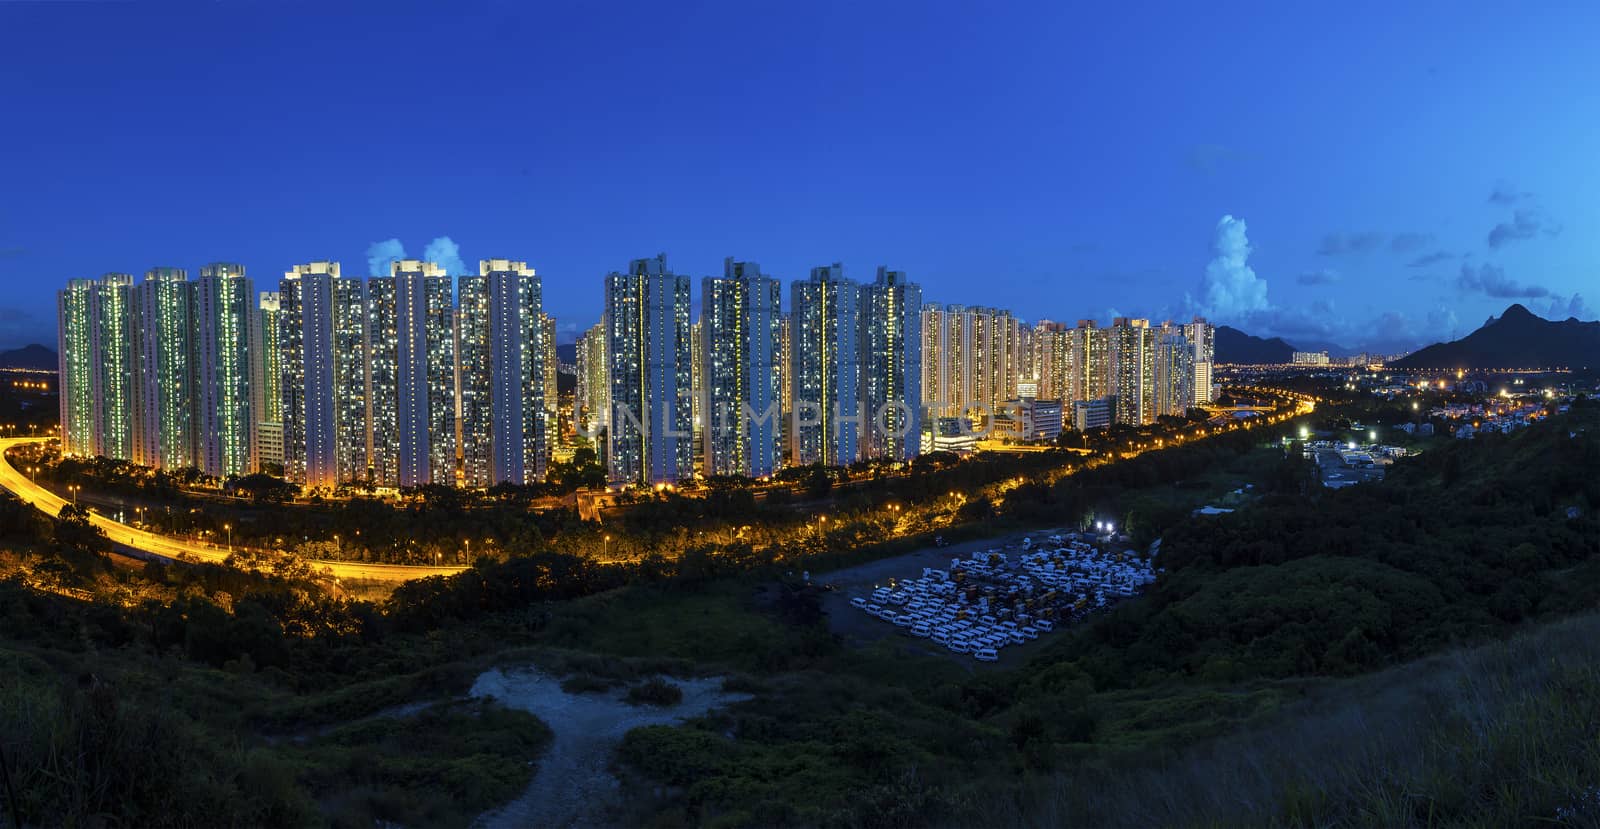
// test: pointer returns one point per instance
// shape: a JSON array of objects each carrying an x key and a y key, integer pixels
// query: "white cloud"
[
  {"x": 446, "y": 253},
  {"x": 380, "y": 254},
  {"x": 1230, "y": 289}
]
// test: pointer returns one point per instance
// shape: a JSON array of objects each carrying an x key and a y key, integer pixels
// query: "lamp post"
[
  {"x": 606, "y": 548},
  {"x": 229, "y": 529},
  {"x": 74, "y": 489}
]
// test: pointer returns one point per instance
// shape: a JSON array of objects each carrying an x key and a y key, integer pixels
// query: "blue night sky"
[{"x": 1363, "y": 174}]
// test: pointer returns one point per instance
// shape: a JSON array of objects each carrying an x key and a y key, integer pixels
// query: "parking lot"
[{"x": 984, "y": 599}]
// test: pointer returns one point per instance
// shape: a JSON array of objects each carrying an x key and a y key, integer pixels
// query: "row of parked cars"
[{"x": 992, "y": 600}]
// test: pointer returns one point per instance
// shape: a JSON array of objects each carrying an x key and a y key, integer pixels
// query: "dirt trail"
[{"x": 573, "y": 786}]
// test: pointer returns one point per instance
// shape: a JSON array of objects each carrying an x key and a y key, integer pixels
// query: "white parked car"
[
  {"x": 1044, "y": 624},
  {"x": 859, "y": 602},
  {"x": 986, "y": 655}
]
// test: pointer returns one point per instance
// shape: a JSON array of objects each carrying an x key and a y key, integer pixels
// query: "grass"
[
  {"x": 1499, "y": 735},
  {"x": 442, "y": 766},
  {"x": 146, "y": 738}
]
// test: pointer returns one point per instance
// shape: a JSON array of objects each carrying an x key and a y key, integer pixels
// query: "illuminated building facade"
[
  {"x": 649, "y": 349},
  {"x": 740, "y": 324},
  {"x": 1202, "y": 336},
  {"x": 1174, "y": 380},
  {"x": 825, "y": 326},
  {"x": 891, "y": 366},
  {"x": 163, "y": 333},
  {"x": 411, "y": 341},
  {"x": 593, "y": 386},
  {"x": 1088, "y": 371},
  {"x": 76, "y": 380},
  {"x": 225, "y": 303},
  {"x": 504, "y": 368},
  {"x": 111, "y": 318},
  {"x": 1133, "y": 370},
  {"x": 322, "y": 366}
]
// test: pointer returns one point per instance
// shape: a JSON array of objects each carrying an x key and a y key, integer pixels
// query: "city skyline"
[
  {"x": 422, "y": 378},
  {"x": 1090, "y": 208}
]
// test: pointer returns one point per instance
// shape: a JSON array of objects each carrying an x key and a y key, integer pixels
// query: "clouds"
[
  {"x": 1322, "y": 277},
  {"x": 380, "y": 254},
  {"x": 444, "y": 251},
  {"x": 1230, "y": 288},
  {"x": 1349, "y": 244},
  {"x": 1428, "y": 260},
  {"x": 1505, "y": 192},
  {"x": 1410, "y": 242},
  {"x": 1344, "y": 244},
  {"x": 1491, "y": 281},
  {"x": 1560, "y": 308},
  {"x": 1526, "y": 223}
]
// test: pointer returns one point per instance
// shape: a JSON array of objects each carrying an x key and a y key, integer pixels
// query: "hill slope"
[
  {"x": 1516, "y": 339},
  {"x": 1235, "y": 346},
  {"x": 29, "y": 356}
]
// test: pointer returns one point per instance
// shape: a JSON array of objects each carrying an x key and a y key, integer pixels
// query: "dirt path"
[{"x": 573, "y": 785}]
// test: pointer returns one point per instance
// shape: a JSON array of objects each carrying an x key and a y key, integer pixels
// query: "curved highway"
[{"x": 165, "y": 546}]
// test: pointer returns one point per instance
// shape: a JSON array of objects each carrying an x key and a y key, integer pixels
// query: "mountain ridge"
[{"x": 1517, "y": 338}]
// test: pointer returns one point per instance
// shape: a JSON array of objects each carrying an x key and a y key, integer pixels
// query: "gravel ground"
[{"x": 573, "y": 785}]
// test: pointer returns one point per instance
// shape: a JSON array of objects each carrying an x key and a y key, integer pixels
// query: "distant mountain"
[
  {"x": 1235, "y": 346},
  {"x": 30, "y": 356},
  {"x": 1517, "y": 338}
]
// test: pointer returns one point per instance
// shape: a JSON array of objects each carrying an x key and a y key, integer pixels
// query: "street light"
[
  {"x": 229, "y": 528},
  {"x": 606, "y": 548}
]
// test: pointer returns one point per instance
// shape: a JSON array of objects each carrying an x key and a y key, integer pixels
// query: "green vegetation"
[
  {"x": 655, "y": 691},
  {"x": 1317, "y": 657},
  {"x": 1260, "y": 615}
]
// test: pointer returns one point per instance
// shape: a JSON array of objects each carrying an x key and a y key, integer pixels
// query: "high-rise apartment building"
[
  {"x": 505, "y": 360},
  {"x": 76, "y": 379},
  {"x": 973, "y": 357},
  {"x": 322, "y": 369},
  {"x": 590, "y": 405},
  {"x": 1051, "y": 359},
  {"x": 740, "y": 323},
  {"x": 937, "y": 387},
  {"x": 411, "y": 348},
  {"x": 891, "y": 366},
  {"x": 224, "y": 307},
  {"x": 1133, "y": 370},
  {"x": 111, "y": 318},
  {"x": 551, "y": 399},
  {"x": 649, "y": 349},
  {"x": 1088, "y": 373},
  {"x": 825, "y": 327},
  {"x": 163, "y": 345},
  {"x": 266, "y": 381},
  {"x": 1174, "y": 380},
  {"x": 783, "y": 366},
  {"x": 1203, "y": 337}
]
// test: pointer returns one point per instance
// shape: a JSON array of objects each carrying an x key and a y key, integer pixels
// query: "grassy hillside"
[{"x": 1283, "y": 633}]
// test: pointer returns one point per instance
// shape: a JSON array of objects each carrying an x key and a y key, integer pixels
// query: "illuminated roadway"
[{"x": 169, "y": 547}]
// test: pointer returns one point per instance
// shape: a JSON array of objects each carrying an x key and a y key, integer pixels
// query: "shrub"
[{"x": 655, "y": 691}]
